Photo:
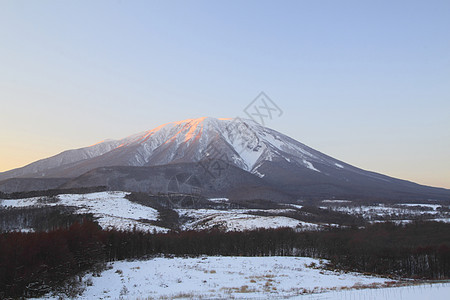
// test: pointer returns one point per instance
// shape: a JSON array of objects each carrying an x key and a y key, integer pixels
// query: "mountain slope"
[
  {"x": 217, "y": 145},
  {"x": 243, "y": 143},
  {"x": 40, "y": 167},
  {"x": 181, "y": 178}
]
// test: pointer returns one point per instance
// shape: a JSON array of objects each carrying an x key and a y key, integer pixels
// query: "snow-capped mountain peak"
[
  {"x": 244, "y": 143},
  {"x": 255, "y": 157}
]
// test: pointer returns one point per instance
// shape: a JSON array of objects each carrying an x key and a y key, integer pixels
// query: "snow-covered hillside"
[
  {"x": 399, "y": 213},
  {"x": 244, "y": 278},
  {"x": 239, "y": 219},
  {"x": 245, "y": 143},
  {"x": 111, "y": 209},
  {"x": 114, "y": 210},
  {"x": 68, "y": 157}
]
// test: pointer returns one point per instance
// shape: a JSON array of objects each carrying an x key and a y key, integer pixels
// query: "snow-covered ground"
[
  {"x": 296, "y": 206},
  {"x": 245, "y": 278},
  {"x": 436, "y": 291},
  {"x": 218, "y": 200},
  {"x": 239, "y": 219},
  {"x": 432, "y": 206},
  {"x": 112, "y": 209},
  {"x": 444, "y": 220},
  {"x": 336, "y": 201},
  {"x": 398, "y": 212}
]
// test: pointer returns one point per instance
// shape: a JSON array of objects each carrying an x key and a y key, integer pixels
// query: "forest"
[{"x": 34, "y": 263}]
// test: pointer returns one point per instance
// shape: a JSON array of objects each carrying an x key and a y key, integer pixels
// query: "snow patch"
[
  {"x": 433, "y": 206},
  {"x": 260, "y": 175},
  {"x": 310, "y": 165},
  {"x": 296, "y": 206},
  {"x": 394, "y": 213},
  {"x": 219, "y": 200},
  {"x": 240, "y": 219},
  {"x": 336, "y": 201}
]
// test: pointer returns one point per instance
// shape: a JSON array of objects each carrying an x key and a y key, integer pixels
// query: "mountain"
[{"x": 226, "y": 156}]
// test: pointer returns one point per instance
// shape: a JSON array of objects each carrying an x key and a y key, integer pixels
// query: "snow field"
[
  {"x": 239, "y": 219},
  {"x": 223, "y": 278},
  {"x": 432, "y": 206},
  {"x": 435, "y": 291},
  {"x": 370, "y": 212},
  {"x": 112, "y": 209}
]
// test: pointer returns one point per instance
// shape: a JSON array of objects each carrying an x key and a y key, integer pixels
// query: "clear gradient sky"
[{"x": 367, "y": 82}]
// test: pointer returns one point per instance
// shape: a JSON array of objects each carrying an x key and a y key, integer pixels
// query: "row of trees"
[
  {"x": 420, "y": 250},
  {"x": 32, "y": 262},
  {"x": 52, "y": 192},
  {"x": 39, "y": 218}
]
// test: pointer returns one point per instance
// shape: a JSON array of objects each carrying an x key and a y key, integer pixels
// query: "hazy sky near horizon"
[{"x": 367, "y": 82}]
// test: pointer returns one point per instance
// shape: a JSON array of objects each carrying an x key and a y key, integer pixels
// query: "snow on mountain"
[
  {"x": 39, "y": 167},
  {"x": 244, "y": 143},
  {"x": 279, "y": 162}
]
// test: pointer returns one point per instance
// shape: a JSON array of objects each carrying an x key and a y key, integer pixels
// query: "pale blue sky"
[{"x": 367, "y": 83}]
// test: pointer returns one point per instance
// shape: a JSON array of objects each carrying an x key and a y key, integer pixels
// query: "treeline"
[
  {"x": 32, "y": 262},
  {"x": 39, "y": 218},
  {"x": 52, "y": 192},
  {"x": 314, "y": 214},
  {"x": 420, "y": 250}
]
